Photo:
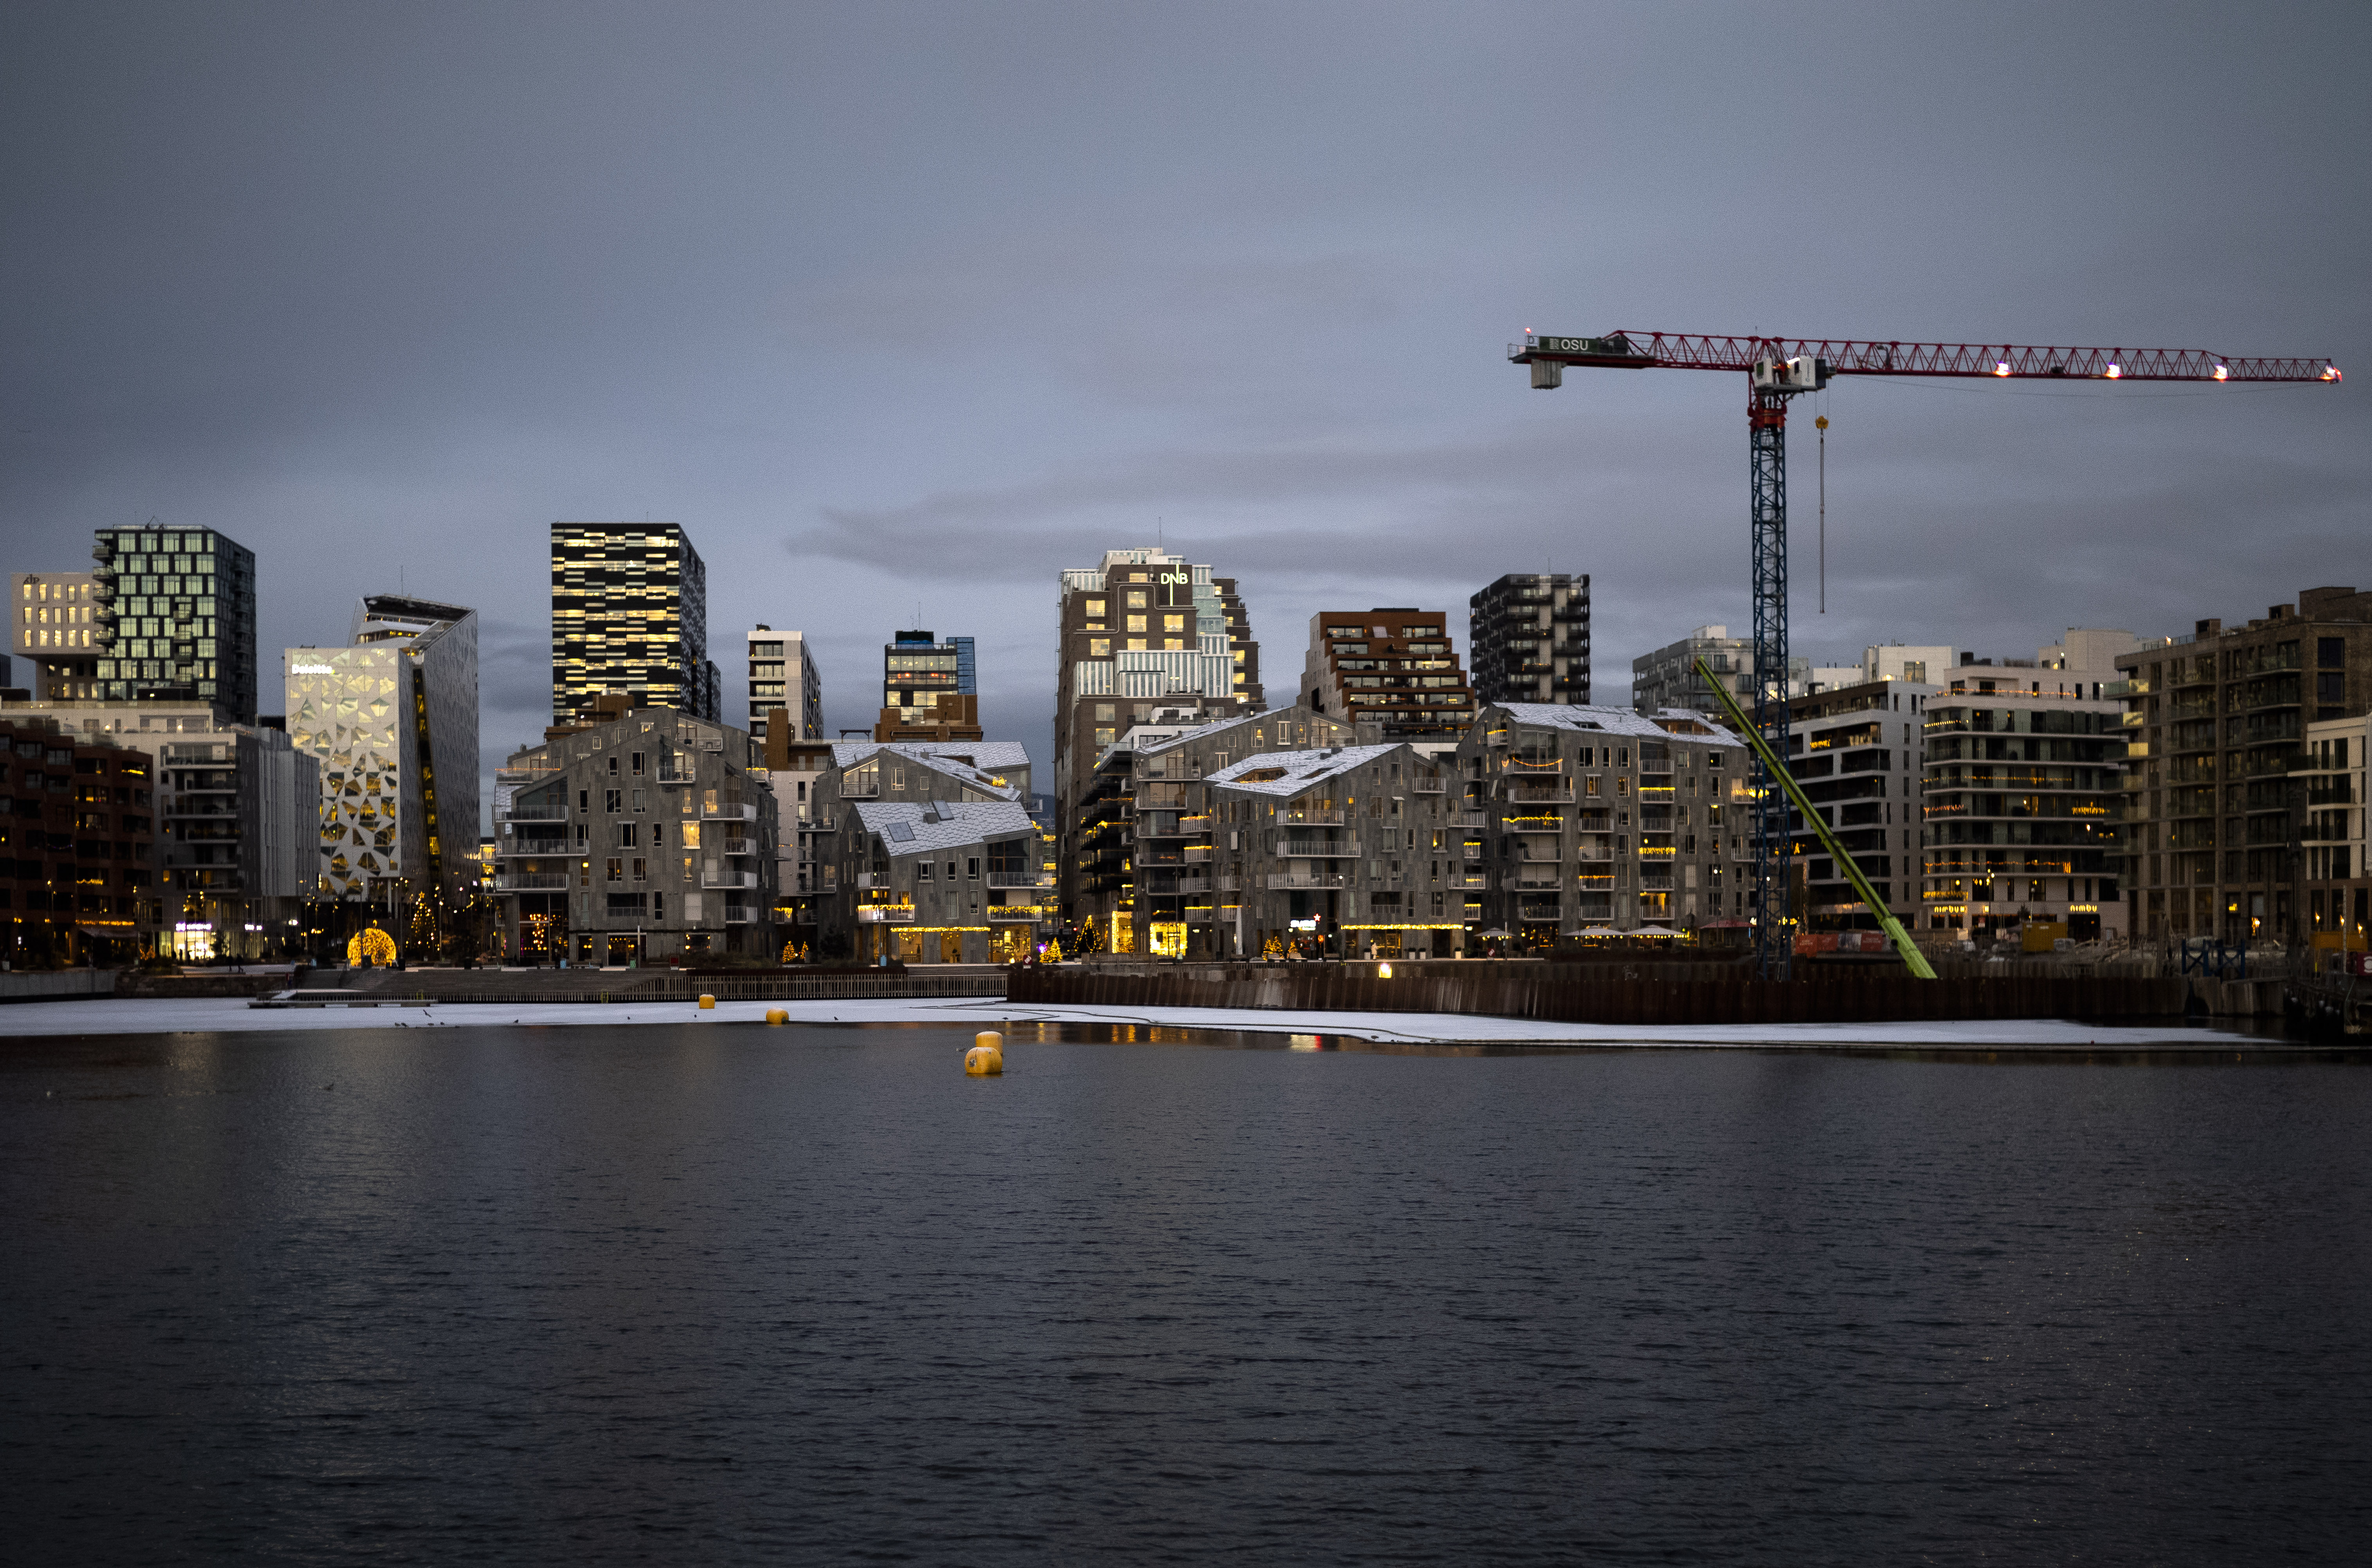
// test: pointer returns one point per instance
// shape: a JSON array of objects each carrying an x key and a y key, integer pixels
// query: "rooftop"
[
  {"x": 926, "y": 827},
  {"x": 1289, "y": 772}
]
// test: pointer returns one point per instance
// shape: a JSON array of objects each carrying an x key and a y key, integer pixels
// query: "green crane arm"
[{"x": 1912, "y": 958}]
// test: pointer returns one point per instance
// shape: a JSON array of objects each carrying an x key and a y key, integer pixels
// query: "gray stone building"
[
  {"x": 1575, "y": 819},
  {"x": 935, "y": 881},
  {"x": 1343, "y": 850},
  {"x": 650, "y": 836}
]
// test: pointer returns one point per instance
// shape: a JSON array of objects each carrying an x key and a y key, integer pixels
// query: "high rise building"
[
  {"x": 176, "y": 619},
  {"x": 629, "y": 614},
  {"x": 1143, "y": 629},
  {"x": 783, "y": 675},
  {"x": 1392, "y": 669},
  {"x": 2219, "y": 720},
  {"x": 1667, "y": 678},
  {"x": 1528, "y": 638},
  {"x": 54, "y": 633},
  {"x": 393, "y": 720},
  {"x": 929, "y": 690}
]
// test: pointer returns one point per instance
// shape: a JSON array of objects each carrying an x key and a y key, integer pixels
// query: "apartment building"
[
  {"x": 2218, "y": 722},
  {"x": 782, "y": 674},
  {"x": 930, "y": 689},
  {"x": 77, "y": 845},
  {"x": 1574, "y": 821},
  {"x": 936, "y": 881},
  {"x": 1392, "y": 671},
  {"x": 392, "y": 721},
  {"x": 651, "y": 835},
  {"x": 1143, "y": 858},
  {"x": 629, "y": 614},
  {"x": 54, "y": 633},
  {"x": 1667, "y": 678},
  {"x": 1528, "y": 638},
  {"x": 1859, "y": 751},
  {"x": 176, "y": 620},
  {"x": 2023, "y": 790},
  {"x": 2333, "y": 839},
  {"x": 1142, "y": 628}
]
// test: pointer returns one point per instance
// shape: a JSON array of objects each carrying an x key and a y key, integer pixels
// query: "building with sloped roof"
[
  {"x": 1577, "y": 820},
  {"x": 935, "y": 881}
]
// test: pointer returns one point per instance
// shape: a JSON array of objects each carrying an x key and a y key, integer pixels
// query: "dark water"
[{"x": 727, "y": 1293}]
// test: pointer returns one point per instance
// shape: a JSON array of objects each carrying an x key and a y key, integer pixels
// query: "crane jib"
[{"x": 1683, "y": 351}]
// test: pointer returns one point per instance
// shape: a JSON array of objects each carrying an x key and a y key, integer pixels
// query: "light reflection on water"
[{"x": 739, "y": 1294}]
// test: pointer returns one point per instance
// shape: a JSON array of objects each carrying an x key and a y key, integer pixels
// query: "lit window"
[
  {"x": 1136, "y": 623},
  {"x": 1173, "y": 624},
  {"x": 1137, "y": 598}
]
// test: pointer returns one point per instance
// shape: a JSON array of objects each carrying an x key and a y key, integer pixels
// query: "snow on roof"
[
  {"x": 941, "y": 825},
  {"x": 1290, "y": 772},
  {"x": 1665, "y": 723},
  {"x": 972, "y": 762}
]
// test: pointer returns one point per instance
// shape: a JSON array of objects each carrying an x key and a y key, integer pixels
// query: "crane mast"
[{"x": 1778, "y": 369}]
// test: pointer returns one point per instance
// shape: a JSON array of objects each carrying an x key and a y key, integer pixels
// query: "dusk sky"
[{"x": 904, "y": 308}]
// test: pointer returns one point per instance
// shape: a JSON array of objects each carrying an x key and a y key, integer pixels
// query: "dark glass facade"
[{"x": 175, "y": 618}]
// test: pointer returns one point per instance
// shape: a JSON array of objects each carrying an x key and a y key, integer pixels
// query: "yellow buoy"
[
  {"x": 778, "y": 1016},
  {"x": 986, "y": 1057},
  {"x": 708, "y": 1003}
]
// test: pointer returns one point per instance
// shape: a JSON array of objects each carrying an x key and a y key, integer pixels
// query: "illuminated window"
[
  {"x": 1137, "y": 598},
  {"x": 1136, "y": 623},
  {"x": 1099, "y": 647},
  {"x": 1094, "y": 607},
  {"x": 1173, "y": 624}
]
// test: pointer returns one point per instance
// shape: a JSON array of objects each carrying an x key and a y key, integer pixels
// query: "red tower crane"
[{"x": 1779, "y": 369}]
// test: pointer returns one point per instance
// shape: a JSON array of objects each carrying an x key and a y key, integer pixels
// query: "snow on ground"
[{"x": 108, "y": 1016}]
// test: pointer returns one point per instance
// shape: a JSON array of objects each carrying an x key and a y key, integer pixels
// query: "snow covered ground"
[{"x": 106, "y": 1016}]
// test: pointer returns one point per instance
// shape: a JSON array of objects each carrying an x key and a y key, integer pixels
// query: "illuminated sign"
[{"x": 311, "y": 670}]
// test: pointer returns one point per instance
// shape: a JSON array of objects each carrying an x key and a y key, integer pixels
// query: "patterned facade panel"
[{"x": 351, "y": 708}]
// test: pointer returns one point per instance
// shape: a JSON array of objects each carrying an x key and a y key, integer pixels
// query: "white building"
[
  {"x": 393, "y": 719},
  {"x": 783, "y": 675}
]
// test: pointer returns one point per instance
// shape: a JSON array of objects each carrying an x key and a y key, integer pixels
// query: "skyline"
[{"x": 884, "y": 306}]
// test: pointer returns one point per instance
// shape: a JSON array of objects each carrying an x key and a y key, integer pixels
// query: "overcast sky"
[{"x": 913, "y": 305}]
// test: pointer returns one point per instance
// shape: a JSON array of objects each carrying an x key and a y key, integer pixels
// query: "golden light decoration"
[{"x": 372, "y": 944}]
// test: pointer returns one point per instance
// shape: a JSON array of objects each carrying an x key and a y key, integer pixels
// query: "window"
[
  {"x": 1136, "y": 600},
  {"x": 584, "y": 797},
  {"x": 642, "y": 870},
  {"x": 637, "y": 764},
  {"x": 1136, "y": 623},
  {"x": 614, "y": 767},
  {"x": 1095, "y": 608},
  {"x": 971, "y": 870},
  {"x": 921, "y": 871},
  {"x": 616, "y": 871},
  {"x": 1173, "y": 624},
  {"x": 951, "y": 870},
  {"x": 611, "y": 799},
  {"x": 658, "y": 906},
  {"x": 1106, "y": 736},
  {"x": 1099, "y": 647},
  {"x": 658, "y": 835},
  {"x": 2330, "y": 653},
  {"x": 626, "y": 834}
]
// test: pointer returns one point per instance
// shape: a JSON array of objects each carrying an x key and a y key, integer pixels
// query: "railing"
[
  {"x": 1544, "y": 881},
  {"x": 1469, "y": 879},
  {"x": 1199, "y": 854},
  {"x": 1532, "y": 824},
  {"x": 729, "y": 878},
  {"x": 1539, "y": 855},
  {"x": 524, "y": 776},
  {"x": 1287, "y": 880},
  {"x": 888, "y": 913},
  {"x": 1019, "y": 912},
  {"x": 1019, "y": 879},
  {"x": 1520, "y": 793},
  {"x": 531, "y": 881},
  {"x": 1427, "y": 786},
  {"x": 1312, "y": 819},
  {"x": 1520, "y": 765},
  {"x": 739, "y": 914},
  {"x": 1596, "y": 883},
  {"x": 1193, "y": 884},
  {"x": 738, "y": 846},
  {"x": 1317, "y": 849},
  {"x": 1230, "y": 882},
  {"x": 1469, "y": 820},
  {"x": 730, "y": 811},
  {"x": 536, "y": 813}
]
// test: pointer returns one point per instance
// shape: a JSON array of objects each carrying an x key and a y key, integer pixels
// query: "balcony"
[
  {"x": 1199, "y": 854},
  {"x": 1193, "y": 884},
  {"x": 539, "y": 812},
  {"x": 1527, "y": 792},
  {"x": 531, "y": 881},
  {"x": 1428, "y": 786},
  {"x": 895, "y": 914},
  {"x": 738, "y": 846},
  {"x": 1469, "y": 821},
  {"x": 1526, "y": 881},
  {"x": 1532, "y": 824},
  {"x": 729, "y": 811},
  {"x": 1317, "y": 849},
  {"x": 1284, "y": 881},
  {"x": 1295, "y": 818},
  {"x": 1016, "y": 913},
  {"x": 1019, "y": 879},
  {"x": 739, "y": 914},
  {"x": 1471, "y": 880},
  {"x": 1596, "y": 883},
  {"x": 729, "y": 878}
]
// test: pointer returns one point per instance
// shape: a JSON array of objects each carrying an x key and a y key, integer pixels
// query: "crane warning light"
[
  {"x": 2223, "y": 373},
  {"x": 2115, "y": 371},
  {"x": 2001, "y": 367},
  {"x": 2330, "y": 372}
]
